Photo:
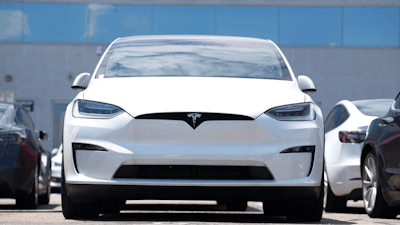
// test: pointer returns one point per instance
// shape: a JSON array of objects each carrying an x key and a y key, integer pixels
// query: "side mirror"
[
  {"x": 54, "y": 152},
  {"x": 81, "y": 82},
  {"x": 306, "y": 84},
  {"x": 43, "y": 135}
]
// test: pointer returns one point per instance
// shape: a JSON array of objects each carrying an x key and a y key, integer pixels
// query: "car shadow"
[
  {"x": 351, "y": 210},
  {"x": 14, "y": 207},
  {"x": 197, "y": 213}
]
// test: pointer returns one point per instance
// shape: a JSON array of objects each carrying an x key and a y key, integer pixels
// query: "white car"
[
  {"x": 193, "y": 118},
  {"x": 345, "y": 132},
  {"x": 56, "y": 161}
]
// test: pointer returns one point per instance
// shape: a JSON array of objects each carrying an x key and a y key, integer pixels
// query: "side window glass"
[
  {"x": 329, "y": 122},
  {"x": 26, "y": 120},
  {"x": 18, "y": 116},
  {"x": 397, "y": 103},
  {"x": 341, "y": 115},
  {"x": 344, "y": 115}
]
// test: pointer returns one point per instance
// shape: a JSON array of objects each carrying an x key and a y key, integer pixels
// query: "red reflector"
[{"x": 359, "y": 178}]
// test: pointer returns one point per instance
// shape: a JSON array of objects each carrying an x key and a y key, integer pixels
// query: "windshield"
[
  {"x": 194, "y": 57},
  {"x": 376, "y": 107}
]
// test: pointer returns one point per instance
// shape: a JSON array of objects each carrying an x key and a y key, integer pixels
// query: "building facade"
[{"x": 349, "y": 48}]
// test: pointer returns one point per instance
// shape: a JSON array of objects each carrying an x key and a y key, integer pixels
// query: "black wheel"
[
  {"x": 73, "y": 210},
  {"x": 45, "y": 199},
  {"x": 30, "y": 201},
  {"x": 109, "y": 206},
  {"x": 236, "y": 205},
  {"x": 374, "y": 203},
  {"x": 332, "y": 203},
  {"x": 307, "y": 212}
]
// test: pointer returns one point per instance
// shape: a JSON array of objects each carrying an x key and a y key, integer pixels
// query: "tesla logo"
[{"x": 194, "y": 117}]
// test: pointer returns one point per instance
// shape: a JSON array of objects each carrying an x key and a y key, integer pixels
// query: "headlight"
[
  {"x": 89, "y": 109},
  {"x": 303, "y": 111}
]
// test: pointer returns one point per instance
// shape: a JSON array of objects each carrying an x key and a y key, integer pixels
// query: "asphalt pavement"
[{"x": 176, "y": 212}]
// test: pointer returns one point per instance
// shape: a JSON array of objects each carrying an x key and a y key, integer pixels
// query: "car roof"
[
  {"x": 352, "y": 108},
  {"x": 371, "y": 100}
]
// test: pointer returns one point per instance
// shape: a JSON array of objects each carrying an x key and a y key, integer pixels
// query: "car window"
[
  {"x": 336, "y": 117},
  {"x": 23, "y": 117},
  {"x": 329, "y": 122},
  {"x": 397, "y": 103},
  {"x": 27, "y": 120},
  {"x": 194, "y": 57},
  {"x": 373, "y": 107},
  {"x": 6, "y": 114},
  {"x": 341, "y": 117}
]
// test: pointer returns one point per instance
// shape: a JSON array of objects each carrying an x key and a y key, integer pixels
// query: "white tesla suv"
[
  {"x": 193, "y": 118},
  {"x": 345, "y": 132}
]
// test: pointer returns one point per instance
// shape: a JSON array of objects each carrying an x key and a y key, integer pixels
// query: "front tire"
[
  {"x": 374, "y": 203},
  {"x": 73, "y": 210},
  {"x": 307, "y": 212}
]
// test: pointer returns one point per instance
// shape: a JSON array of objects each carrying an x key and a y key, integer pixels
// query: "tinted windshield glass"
[
  {"x": 194, "y": 57},
  {"x": 377, "y": 107}
]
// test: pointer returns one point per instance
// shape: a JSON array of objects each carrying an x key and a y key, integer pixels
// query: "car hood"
[{"x": 241, "y": 96}]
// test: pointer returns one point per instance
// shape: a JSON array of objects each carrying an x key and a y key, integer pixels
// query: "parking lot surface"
[{"x": 176, "y": 212}]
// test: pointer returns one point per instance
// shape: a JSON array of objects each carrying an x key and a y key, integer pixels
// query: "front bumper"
[
  {"x": 94, "y": 193},
  {"x": 218, "y": 143}
]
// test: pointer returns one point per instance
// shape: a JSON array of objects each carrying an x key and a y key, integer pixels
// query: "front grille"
[
  {"x": 184, "y": 116},
  {"x": 183, "y": 172}
]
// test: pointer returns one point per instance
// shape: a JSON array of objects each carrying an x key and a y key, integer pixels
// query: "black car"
[
  {"x": 25, "y": 166},
  {"x": 380, "y": 165}
]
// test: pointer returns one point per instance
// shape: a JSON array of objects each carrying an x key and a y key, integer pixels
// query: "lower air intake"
[{"x": 183, "y": 172}]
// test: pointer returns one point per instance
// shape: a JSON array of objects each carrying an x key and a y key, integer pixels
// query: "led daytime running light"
[
  {"x": 298, "y": 112},
  {"x": 89, "y": 109}
]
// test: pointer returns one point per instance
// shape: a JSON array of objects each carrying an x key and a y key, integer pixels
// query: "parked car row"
[
  {"x": 204, "y": 118},
  {"x": 25, "y": 165},
  {"x": 345, "y": 131},
  {"x": 362, "y": 160}
]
